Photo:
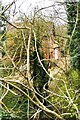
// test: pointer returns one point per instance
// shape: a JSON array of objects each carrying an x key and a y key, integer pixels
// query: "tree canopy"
[{"x": 35, "y": 86}]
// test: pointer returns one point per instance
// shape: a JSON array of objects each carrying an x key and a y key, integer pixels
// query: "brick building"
[{"x": 51, "y": 48}]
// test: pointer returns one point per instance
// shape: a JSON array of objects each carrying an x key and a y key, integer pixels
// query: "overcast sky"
[
  {"x": 27, "y": 6},
  {"x": 26, "y": 3}
]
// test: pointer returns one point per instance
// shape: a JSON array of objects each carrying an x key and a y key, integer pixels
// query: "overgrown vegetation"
[{"x": 34, "y": 87}]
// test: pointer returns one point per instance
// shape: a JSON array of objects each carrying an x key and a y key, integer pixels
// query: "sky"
[
  {"x": 24, "y": 4},
  {"x": 27, "y": 6}
]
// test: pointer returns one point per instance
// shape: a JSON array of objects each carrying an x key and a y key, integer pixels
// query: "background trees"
[
  {"x": 2, "y": 32},
  {"x": 26, "y": 91},
  {"x": 73, "y": 14}
]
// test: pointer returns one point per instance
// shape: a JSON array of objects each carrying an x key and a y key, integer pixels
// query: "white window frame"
[{"x": 56, "y": 53}]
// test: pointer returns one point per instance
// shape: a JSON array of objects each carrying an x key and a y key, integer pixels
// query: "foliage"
[
  {"x": 74, "y": 44},
  {"x": 26, "y": 92},
  {"x": 14, "y": 45}
]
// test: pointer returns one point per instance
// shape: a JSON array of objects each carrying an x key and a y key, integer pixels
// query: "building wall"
[{"x": 50, "y": 49}]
